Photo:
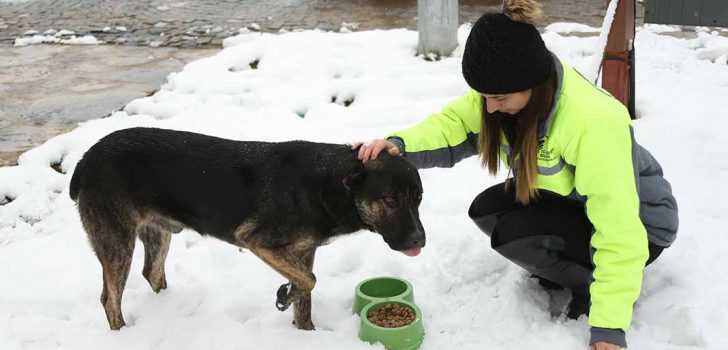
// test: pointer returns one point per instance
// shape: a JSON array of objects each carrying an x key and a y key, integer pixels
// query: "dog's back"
[
  {"x": 172, "y": 173},
  {"x": 159, "y": 153}
]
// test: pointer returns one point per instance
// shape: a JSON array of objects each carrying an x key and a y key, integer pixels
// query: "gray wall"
[{"x": 713, "y": 13}]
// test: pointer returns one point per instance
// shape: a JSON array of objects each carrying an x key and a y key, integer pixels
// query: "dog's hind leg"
[
  {"x": 116, "y": 272},
  {"x": 156, "y": 240},
  {"x": 112, "y": 236},
  {"x": 302, "y": 305}
]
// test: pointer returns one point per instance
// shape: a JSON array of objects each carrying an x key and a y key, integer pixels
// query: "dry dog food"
[{"x": 392, "y": 316}]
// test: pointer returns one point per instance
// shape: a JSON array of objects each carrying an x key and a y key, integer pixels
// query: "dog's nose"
[{"x": 416, "y": 240}]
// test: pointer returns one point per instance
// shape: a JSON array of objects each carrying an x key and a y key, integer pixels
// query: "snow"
[
  {"x": 661, "y": 28},
  {"x": 593, "y": 72},
  {"x": 221, "y": 298},
  {"x": 55, "y": 39},
  {"x": 568, "y": 28}
]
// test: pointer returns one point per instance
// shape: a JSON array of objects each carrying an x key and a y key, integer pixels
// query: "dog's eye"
[
  {"x": 391, "y": 202},
  {"x": 418, "y": 197}
]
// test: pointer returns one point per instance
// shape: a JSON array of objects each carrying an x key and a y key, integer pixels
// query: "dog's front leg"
[
  {"x": 295, "y": 265},
  {"x": 302, "y": 307}
]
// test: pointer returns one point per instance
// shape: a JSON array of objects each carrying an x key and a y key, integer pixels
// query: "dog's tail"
[{"x": 76, "y": 180}]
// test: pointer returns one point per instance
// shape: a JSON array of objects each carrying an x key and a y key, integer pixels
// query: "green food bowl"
[
  {"x": 381, "y": 289},
  {"x": 408, "y": 337}
]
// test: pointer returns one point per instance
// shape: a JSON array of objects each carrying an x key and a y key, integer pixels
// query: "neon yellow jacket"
[{"x": 619, "y": 181}]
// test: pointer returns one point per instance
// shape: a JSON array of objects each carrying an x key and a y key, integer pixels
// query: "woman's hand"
[
  {"x": 371, "y": 149},
  {"x": 605, "y": 346}
]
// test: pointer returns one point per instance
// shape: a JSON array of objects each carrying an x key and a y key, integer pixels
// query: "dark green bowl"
[
  {"x": 408, "y": 337},
  {"x": 381, "y": 289}
]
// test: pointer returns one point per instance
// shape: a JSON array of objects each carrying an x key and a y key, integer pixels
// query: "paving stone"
[
  {"x": 204, "y": 41},
  {"x": 189, "y": 44}
]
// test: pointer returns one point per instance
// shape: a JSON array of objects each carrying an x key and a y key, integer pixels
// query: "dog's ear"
[{"x": 354, "y": 180}]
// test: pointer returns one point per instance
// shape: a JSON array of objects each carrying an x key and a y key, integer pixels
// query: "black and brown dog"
[{"x": 279, "y": 200}]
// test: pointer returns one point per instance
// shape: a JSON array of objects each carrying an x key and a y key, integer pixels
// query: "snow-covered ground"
[{"x": 221, "y": 298}]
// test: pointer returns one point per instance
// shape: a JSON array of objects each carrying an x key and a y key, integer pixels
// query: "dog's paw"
[
  {"x": 282, "y": 297},
  {"x": 306, "y": 325}
]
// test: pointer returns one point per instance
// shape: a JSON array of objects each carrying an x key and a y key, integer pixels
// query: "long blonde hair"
[
  {"x": 523, "y": 149},
  {"x": 524, "y": 143}
]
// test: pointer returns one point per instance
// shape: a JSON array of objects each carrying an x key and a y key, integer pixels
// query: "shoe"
[{"x": 579, "y": 305}]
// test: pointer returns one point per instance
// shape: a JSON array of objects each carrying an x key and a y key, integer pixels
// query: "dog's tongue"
[{"x": 411, "y": 252}]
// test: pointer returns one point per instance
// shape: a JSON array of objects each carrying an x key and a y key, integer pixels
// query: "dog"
[{"x": 278, "y": 200}]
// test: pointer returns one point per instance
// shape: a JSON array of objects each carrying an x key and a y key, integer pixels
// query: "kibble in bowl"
[
  {"x": 392, "y": 315},
  {"x": 397, "y": 324}
]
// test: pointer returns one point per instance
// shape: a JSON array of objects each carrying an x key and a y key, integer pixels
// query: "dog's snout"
[{"x": 416, "y": 240}]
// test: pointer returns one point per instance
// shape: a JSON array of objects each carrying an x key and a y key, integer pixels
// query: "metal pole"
[
  {"x": 437, "y": 24},
  {"x": 618, "y": 69}
]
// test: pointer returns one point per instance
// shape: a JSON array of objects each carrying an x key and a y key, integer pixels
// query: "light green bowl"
[
  {"x": 381, "y": 289},
  {"x": 408, "y": 337}
]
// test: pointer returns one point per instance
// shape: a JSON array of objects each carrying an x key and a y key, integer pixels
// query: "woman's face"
[{"x": 507, "y": 103}]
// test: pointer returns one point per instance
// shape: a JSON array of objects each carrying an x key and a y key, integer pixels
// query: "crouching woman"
[{"x": 587, "y": 208}]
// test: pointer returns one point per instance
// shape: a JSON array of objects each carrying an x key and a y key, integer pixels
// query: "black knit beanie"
[{"x": 503, "y": 56}]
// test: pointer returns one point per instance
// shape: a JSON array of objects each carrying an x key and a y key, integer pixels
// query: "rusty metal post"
[
  {"x": 618, "y": 68},
  {"x": 437, "y": 24}
]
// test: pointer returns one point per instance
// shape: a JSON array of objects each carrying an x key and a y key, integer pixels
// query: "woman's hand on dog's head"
[{"x": 372, "y": 149}]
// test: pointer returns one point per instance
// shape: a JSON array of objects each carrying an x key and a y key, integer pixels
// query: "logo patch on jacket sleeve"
[{"x": 542, "y": 152}]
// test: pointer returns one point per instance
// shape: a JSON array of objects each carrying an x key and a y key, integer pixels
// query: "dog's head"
[{"x": 387, "y": 194}]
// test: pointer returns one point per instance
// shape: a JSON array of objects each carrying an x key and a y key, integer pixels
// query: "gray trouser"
[{"x": 549, "y": 237}]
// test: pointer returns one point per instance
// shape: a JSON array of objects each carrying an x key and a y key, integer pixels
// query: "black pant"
[{"x": 544, "y": 236}]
